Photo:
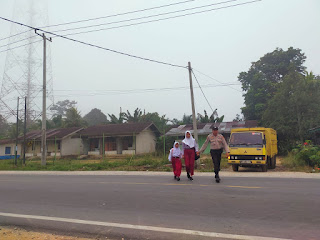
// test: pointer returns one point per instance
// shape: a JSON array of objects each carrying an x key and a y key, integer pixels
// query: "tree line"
[
  {"x": 65, "y": 114},
  {"x": 280, "y": 93}
]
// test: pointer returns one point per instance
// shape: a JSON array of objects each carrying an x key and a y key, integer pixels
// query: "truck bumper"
[{"x": 248, "y": 162}]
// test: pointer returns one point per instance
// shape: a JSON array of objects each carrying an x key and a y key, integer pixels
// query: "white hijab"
[
  {"x": 189, "y": 141},
  {"x": 176, "y": 151}
]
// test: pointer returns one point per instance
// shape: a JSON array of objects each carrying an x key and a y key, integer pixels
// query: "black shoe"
[
  {"x": 178, "y": 179},
  {"x": 191, "y": 178},
  {"x": 217, "y": 177},
  {"x": 188, "y": 175},
  {"x": 175, "y": 177}
]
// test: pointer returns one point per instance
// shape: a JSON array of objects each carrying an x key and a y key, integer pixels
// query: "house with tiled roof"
[
  {"x": 110, "y": 139},
  {"x": 115, "y": 139},
  {"x": 60, "y": 142}
]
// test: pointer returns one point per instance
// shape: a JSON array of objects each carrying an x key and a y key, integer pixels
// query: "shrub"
[{"x": 307, "y": 153}]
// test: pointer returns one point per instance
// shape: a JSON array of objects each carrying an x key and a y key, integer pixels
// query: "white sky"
[{"x": 220, "y": 44}]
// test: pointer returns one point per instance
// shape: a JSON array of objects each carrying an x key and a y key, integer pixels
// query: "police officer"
[{"x": 217, "y": 144}]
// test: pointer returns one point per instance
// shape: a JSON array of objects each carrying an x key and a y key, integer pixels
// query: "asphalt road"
[{"x": 158, "y": 207}]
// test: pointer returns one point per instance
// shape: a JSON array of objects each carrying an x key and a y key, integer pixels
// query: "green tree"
[
  {"x": 12, "y": 129},
  {"x": 4, "y": 126},
  {"x": 159, "y": 121},
  {"x": 294, "y": 108},
  {"x": 61, "y": 107},
  {"x": 186, "y": 119},
  {"x": 261, "y": 81},
  {"x": 136, "y": 117},
  {"x": 57, "y": 122},
  {"x": 115, "y": 120},
  {"x": 212, "y": 119},
  {"x": 95, "y": 117},
  {"x": 238, "y": 118},
  {"x": 73, "y": 119}
]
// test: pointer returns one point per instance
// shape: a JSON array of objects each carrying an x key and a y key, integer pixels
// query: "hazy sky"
[{"x": 220, "y": 44}]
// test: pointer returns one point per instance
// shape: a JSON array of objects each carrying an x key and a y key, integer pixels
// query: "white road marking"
[{"x": 141, "y": 227}]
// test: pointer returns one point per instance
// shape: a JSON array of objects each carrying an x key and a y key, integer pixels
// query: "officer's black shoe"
[
  {"x": 175, "y": 177},
  {"x": 188, "y": 175},
  {"x": 178, "y": 179},
  {"x": 191, "y": 178},
  {"x": 217, "y": 177}
]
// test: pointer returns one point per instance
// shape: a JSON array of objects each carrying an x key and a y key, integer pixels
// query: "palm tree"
[
  {"x": 73, "y": 118},
  {"x": 114, "y": 119},
  {"x": 136, "y": 117}
]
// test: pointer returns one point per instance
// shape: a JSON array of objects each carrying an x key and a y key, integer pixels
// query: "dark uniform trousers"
[{"x": 216, "y": 159}]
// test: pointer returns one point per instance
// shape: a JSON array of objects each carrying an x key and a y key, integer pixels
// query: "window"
[
  {"x": 246, "y": 139},
  {"x": 128, "y": 143},
  {"x": 58, "y": 145},
  {"x": 110, "y": 144},
  {"x": 8, "y": 150},
  {"x": 94, "y": 144}
]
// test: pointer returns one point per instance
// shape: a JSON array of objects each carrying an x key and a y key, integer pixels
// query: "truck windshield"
[{"x": 246, "y": 139}]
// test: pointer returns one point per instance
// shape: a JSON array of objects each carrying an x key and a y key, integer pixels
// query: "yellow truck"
[{"x": 253, "y": 147}]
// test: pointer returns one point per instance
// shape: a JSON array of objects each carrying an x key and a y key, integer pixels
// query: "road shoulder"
[{"x": 151, "y": 173}]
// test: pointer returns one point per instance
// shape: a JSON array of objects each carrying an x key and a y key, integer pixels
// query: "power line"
[
  {"x": 110, "y": 23},
  {"x": 95, "y": 46},
  {"x": 202, "y": 91},
  {"x": 214, "y": 79},
  {"x": 139, "y": 23},
  {"x": 23, "y": 45},
  {"x": 94, "y": 92},
  {"x": 129, "y": 91},
  {"x": 108, "y": 16},
  {"x": 162, "y": 19},
  {"x": 139, "y": 18},
  {"x": 121, "y": 14},
  {"x": 17, "y": 34},
  {"x": 21, "y": 40}
]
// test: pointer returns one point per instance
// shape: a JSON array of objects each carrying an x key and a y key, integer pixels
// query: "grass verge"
[
  {"x": 293, "y": 164},
  {"x": 129, "y": 163}
]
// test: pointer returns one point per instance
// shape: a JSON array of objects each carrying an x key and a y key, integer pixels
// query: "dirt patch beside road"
[{"x": 13, "y": 233}]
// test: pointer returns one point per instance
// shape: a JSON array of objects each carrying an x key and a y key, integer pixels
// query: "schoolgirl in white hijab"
[
  {"x": 175, "y": 158},
  {"x": 190, "y": 141},
  {"x": 190, "y": 147}
]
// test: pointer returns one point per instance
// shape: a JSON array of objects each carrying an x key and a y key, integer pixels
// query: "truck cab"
[{"x": 253, "y": 147}]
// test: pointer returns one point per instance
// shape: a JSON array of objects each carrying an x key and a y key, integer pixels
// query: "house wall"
[
  {"x": 51, "y": 148},
  {"x": 145, "y": 142},
  {"x": 33, "y": 152},
  {"x": 12, "y": 145},
  {"x": 37, "y": 148},
  {"x": 72, "y": 146}
]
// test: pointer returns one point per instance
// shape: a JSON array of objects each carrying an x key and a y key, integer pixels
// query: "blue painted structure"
[{"x": 8, "y": 157}]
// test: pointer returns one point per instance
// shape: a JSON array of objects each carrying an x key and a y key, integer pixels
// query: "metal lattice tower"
[{"x": 22, "y": 75}]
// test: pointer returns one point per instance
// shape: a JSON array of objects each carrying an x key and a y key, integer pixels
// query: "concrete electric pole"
[
  {"x": 194, "y": 118},
  {"x": 44, "y": 102}
]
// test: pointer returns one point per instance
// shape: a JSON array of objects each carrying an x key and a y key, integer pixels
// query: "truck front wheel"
[
  {"x": 273, "y": 162},
  {"x": 235, "y": 167},
  {"x": 264, "y": 168}
]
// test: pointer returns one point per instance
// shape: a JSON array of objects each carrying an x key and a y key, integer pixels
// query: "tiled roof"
[
  {"x": 51, "y": 134},
  {"x": 205, "y": 128},
  {"x": 5, "y": 141},
  {"x": 58, "y": 133},
  {"x": 118, "y": 129}
]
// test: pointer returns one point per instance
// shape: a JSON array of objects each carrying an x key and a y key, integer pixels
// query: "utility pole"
[
  {"x": 25, "y": 131},
  {"x": 194, "y": 119},
  {"x": 44, "y": 101},
  {"x": 17, "y": 134}
]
